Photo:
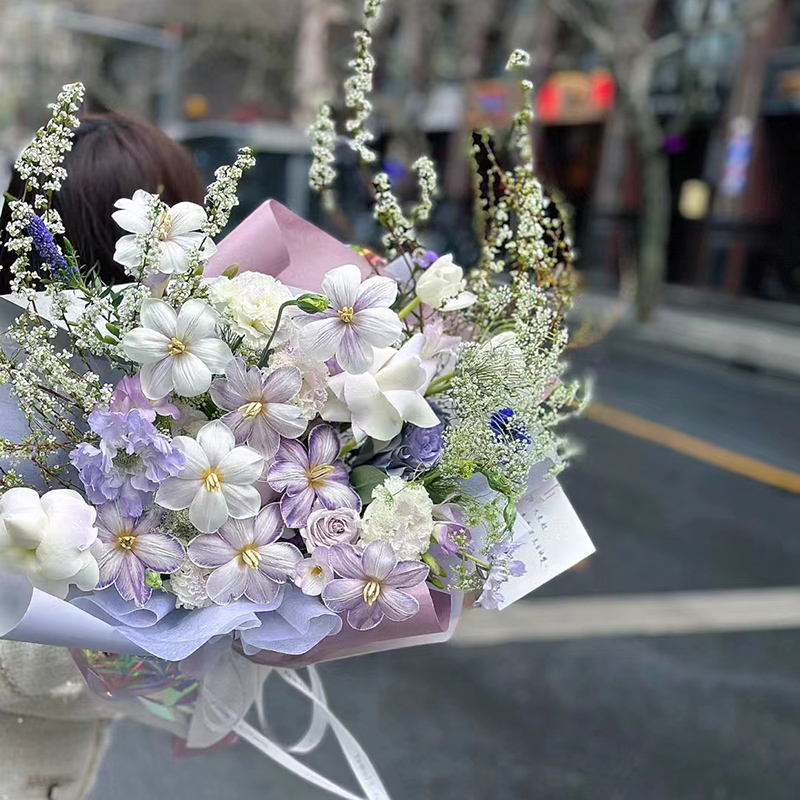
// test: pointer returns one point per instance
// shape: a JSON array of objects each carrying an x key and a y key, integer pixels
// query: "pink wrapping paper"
[{"x": 275, "y": 241}]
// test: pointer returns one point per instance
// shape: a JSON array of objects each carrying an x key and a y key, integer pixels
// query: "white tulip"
[
  {"x": 49, "y": 539},
  {"x": 441, "y": 286}
]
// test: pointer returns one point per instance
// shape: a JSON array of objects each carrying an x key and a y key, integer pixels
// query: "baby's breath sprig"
[
  {"x": 221, "y": 196},
  {"x": 322, "y": 133}
]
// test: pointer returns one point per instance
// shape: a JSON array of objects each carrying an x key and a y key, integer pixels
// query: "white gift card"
[{"x": 554, "y": 537}]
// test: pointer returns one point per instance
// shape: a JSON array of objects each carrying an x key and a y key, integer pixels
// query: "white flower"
[
  {"x": 314, "y": 389},
  {"x": 401, "y": 514},
  {"x": 180, "y": 352},
  {"x": 441, "y": 286},
  {"x": 49, "y": 538},
  {"x": 250, "y": 302},
  {"x": 357, "y": 321},
  {"x": 217, "y": 480},
  {"x": 188, "y": 585},
  {"x": 314, "y": 573},
  {"x": 177, "y": 232},
  {"x": 378, "y": 402}
]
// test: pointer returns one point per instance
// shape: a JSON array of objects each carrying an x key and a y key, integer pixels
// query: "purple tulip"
[
  {"x": 306, "y": 476},
  {"x": 371, "y": 584}
]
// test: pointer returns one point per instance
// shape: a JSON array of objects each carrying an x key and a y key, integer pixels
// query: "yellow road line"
[{"x": 694, "y": 447}]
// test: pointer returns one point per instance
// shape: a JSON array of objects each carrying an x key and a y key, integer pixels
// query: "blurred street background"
[{"x": 667, "y": 666}]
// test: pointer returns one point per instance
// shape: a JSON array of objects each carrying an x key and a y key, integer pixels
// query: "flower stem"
[
  {"x": 264, "y": 360},
  {"x": 441, "y": 384},
  {"x": 480, "y": 562},
  {"x": 404, "y": 312}
]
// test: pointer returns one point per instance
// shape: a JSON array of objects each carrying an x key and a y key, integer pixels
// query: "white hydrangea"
[
  {"x": 401, "y": 514},
  {"x": 313, "y": 392},
  {"x": 250, "y": 303},
  {"x": 188, "y": 585}
]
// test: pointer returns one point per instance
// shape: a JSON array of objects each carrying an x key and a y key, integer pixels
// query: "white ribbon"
[{"x": 322, "y": 717}]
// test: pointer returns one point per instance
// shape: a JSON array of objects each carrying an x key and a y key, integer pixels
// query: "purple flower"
[
  {"x": 358, "y": 320},
  {"x": 309, "y": 475},
  {"x": 450, "y": 528},
  {"x": 246, "y": 558},
  {"x": 371, "y": 583},
  {"x": 129, "y": 395},
  {"x": 46, "y": 247},
  {"x": 131, "y": 461},
  {"x": 502, "y": 567},
  {"x": 314, "y": 573},
  {"x": 258, "y": 407},
  {"x": 126, "y": 547},
  {"x": 325, "y": 528},
  {"x": 426, "y": 259},
  {"x": 424, "y": 444}
]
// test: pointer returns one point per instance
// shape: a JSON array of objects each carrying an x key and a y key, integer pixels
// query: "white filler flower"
[
  {"x": 441, "y": 286},
  {"x": 49, "y": 539},
  {"x": 180, "y": 351},
  {"x": 176, "y": 229},
  {"x": 217, "y": 480}
]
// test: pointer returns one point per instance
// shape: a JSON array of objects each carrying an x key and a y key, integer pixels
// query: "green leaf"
[{"x": 364, "y": 479}]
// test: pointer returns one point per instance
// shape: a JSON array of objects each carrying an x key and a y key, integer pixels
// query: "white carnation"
[
  {"x": 402, "y": 514},
  {"x": 188, "y": 585},
  {"x": 250, "y": 303},
  {"x": 313, "y": 392}
]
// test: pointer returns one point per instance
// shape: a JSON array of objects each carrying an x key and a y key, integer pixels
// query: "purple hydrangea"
[
  {"x": 129, "y": 463},
  {"x": 128, "y": 394},
  {"x": 46, "y": 247}
]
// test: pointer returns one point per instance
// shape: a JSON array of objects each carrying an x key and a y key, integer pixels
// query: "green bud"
[
  {"x": 112, "y": 328},
  {"x": 231, "y": 272},
  {"x": 510, "y": 514},
  {"x": 435, "y": 567},
  {"x": 152, "y": 579},
  {"x": 312, "y": 303},
  {"x": 498, "y": 482},
  {"x": 436, "y": 582},
  {"x": 110, "y": 339}
]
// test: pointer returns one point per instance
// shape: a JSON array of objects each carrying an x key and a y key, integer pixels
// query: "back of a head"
[{"x": 112, "y": 156}]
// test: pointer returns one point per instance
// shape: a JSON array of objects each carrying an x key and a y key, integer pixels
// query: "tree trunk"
[{"x": 654, "y": 221}]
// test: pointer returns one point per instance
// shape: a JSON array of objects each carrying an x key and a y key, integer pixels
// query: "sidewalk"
[{"x": 745, "y": 336}]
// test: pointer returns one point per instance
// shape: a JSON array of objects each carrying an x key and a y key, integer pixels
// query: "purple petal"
[
  {"x": 228, "y": 582},
  {"x": 323, "y": 445},
  {"x": 148, "y": 521},
  {"x": 365, "y": 617},
  {"x": 335, "y": 495},
  {"x": 242, "y": 428},
  {"x": 379, "y": 327},
  {"x": 210, "y": 551},
  {"x": 239, "y": 378},
  {"x": 260, "y": 589},
  {"x": 296, "y": 508},
  {"x": 110, "y": 563},
  {"x": 376, "y": 291},
  {"x": 397, "y": 605},
  {"x": 282, "y": 385},
  {"x": 292, "y": 451},
  {"x": 279, "y": 560},
  {"x": 287, "y": 420},
  {"x": 238, "y": 533},
  {"x": 268, "y": 525},
  {"x": 130, "y": 581},
  {"x": 321, "y": 338},
  {"x": 224, "y": 395},
  {"x": 287, "y": 476},
  {"x": 109, "y": 517},
  {"x": 378, "y": 560},
  {"x": 354, "y": 353},
  {"x": 263, "y": 437},
  {"x": 342, "y": 595},
  {"x": 159, "y": 552},
  {"x": 406, "y": 575},
  {"x": 345, "y": 561}
]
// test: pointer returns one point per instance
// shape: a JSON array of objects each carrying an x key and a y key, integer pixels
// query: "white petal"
[
  {"x": 217, "y": 441},
  {"x": 159, "y": 316},
  {"x": 214, "y": 353},
  {"x": 341, "y": 286},
  {"x": 460, "y": 301},
  {"x": 127, "y": 251},
  {"x": 24, "y": 517},
  {"x": 196, "y": 321},
  {"x": 243, "y": 501},
  {"x": 242, "y": 465},
  {"x": 378, "y": 326},
  {"x": 196, "y": 460},
  {"x": 177, "y": 494},
  {"x": 186, "y": 217},
  {"x": 145, "y": 346},
  {"x": 401, "y": 374},
  {"x": 208, "y": 511},
  {"x": 190, "y": 375},
  {"x": 413, "y": 408},
  {"x": 320, "y": 339},
  {"x": 370, "y": 409},
  {"x": 131, "y": 216},
  {"x": 174, "y": 258},
  {"x": 335, "y": 410},
  {"x": 157, "y": 378}
]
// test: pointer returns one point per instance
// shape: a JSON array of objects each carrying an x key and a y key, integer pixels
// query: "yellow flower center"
[
  {"x": 176, "y": 347},
  {"x": 346, "y": 314},
  {"x": 316, "y": 571},
  {"x": 250, "y": 556},
  {"x": 317, "y": 474},
  {"x": 212, "y": 481},
  {"x": 372, "y": 591},
  {"x": 250, "y": 410},
  {"x": 164, "y": 226},
  {"x": 126, "y": 540}
]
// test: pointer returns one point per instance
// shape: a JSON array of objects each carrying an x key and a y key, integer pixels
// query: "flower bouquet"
[{"x": 280, "y": 451}]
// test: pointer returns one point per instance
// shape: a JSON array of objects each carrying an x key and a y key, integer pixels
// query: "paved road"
[{"x": 684, "y": 717}]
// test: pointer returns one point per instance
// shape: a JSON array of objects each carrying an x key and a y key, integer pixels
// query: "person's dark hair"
[{"x": 112, "y": 156}]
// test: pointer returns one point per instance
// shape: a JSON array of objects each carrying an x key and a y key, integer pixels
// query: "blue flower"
[
  {"x": 46, "y": 247},
  {"x": 505, "y": 427},
  {"x": 130, "y": 462}
]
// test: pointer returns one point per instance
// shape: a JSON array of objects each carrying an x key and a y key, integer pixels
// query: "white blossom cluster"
[
  {"x": 221, "y": 196},
  {"x": 428, "y": 180},
  {"x": 519, "y": 59},
  {"x": 322, "y": 133},
  {"x": 387, "y": 211}
]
